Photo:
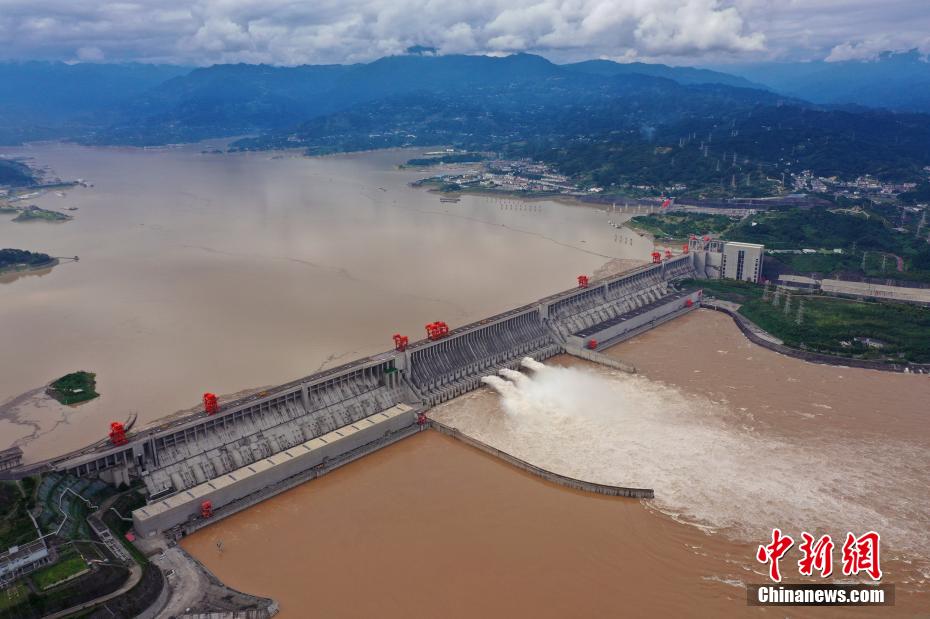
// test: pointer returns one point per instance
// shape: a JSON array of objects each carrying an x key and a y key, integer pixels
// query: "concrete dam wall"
[{"x": 275, "y": 436}]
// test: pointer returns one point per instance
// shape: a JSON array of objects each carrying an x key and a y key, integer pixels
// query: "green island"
[
  {"x": 34, "y": 213},
  {"x": 814, "y": 322},
  {"x": 22, "y": 260},
  {"x": 446, "y": 158},
  {"x": 74, "y": 388}
]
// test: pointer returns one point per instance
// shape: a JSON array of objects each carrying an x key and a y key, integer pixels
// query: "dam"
[{"x": 208, "y": 465}]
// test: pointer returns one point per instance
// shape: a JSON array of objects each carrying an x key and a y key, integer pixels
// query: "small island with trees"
[
  {"x": 74, "y": 388},
  {"x": 34, "y": 213},
  {"x": 22, "y": 260}
]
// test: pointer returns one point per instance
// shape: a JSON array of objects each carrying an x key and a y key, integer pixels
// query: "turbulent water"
[{"x": 709, "y": 465}]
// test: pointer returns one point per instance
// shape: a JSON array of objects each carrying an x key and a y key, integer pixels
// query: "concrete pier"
[{"x": 562, "y": 480}]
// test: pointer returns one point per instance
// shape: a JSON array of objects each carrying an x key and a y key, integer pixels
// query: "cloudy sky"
[{"x": 291, "y": 32}]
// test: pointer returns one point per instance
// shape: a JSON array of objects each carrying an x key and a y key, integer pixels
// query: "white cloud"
[
  {"x": 90, "y": 54},
  {"x": 323, "y": 31},
  {"x": 869, "y": 49},
  {"x": 292, "y": 31}
]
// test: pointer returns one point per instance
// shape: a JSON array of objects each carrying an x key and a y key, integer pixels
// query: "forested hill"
[
  {"x": 602, "y": 122},
  {"x": 15, "y": 174}
]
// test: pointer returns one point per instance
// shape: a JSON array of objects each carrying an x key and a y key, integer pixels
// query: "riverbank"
[
  {"x": 759, "y": 336},
  {"x": 827, "y": 329},
  {"x": 17, "y": 270}
]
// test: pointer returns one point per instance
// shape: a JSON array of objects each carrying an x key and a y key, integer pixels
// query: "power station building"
[
  {"x": 716, "y": 259},
  {"x": 742, "y": 261}
]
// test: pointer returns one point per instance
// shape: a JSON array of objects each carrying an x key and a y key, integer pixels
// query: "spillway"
[{"x": 279, "y": 438}]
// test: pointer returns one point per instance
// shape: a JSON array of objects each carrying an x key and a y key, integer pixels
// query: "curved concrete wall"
[{"x": 562, "y": 480}]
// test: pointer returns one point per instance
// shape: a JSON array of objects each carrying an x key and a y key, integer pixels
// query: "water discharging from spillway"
[{"x": 709, "y": 466}]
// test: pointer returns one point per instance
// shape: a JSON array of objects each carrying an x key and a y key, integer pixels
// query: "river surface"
[
  {"x": 227, "y": 273},
  {"x": 735, "y": 440}
]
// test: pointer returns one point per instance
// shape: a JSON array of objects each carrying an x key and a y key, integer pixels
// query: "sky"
[{"x": 289, "y": 32}]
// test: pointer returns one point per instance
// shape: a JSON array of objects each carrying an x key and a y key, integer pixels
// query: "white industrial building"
[
  {"x": 742, "y": 261},
  {"x": 718, "y": 259}
]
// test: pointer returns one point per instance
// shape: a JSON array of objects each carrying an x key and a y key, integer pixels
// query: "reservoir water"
[{"x": 224, "y": 273}]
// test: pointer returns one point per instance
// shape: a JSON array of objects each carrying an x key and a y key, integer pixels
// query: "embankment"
[
  {"x": 750, "y": 329},
  {"x": 562, "y": 480}
]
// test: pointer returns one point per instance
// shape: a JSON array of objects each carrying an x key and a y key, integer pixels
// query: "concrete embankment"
[
  {"x": 596, "y": 357},
  {"x": 757, "y": 335},
  {"x": 562, "y": 480}
]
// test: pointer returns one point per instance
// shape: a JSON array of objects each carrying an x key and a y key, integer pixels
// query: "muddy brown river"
[
  {"x": 430, "y": 527},
  {"x": 234, "y": 272},
  {"x": 223, "y": 273}
]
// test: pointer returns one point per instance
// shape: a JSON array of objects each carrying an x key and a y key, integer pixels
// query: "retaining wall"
[
  {"x": 562, "y": 480},
  {"x": 746, "y": 326}
]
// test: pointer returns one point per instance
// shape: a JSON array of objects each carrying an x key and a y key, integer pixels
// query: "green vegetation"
[
  {"x": 34, "y": 213},
  {"x": 682, "y": 225},
  {"x": 868, "y": 243},
  {"x": 20, "y": 258},
  {"x": 920, "y": 194},
  {"x": 822, "y": 263},
  {"x": 12, "y": 595},
  {"x": 15, "y": 174},
  {"x": 124, "y": 504},
  {"x": 863, "y": 237},
  {"x": 870, "y": 330},
  {"x": 451, "y": 158},
  {"x": 813, "y": 228},
  {"x": 65, "y": 568},
  {"x": 74, "y": 388},
  {"x": 100, "y": 580},
  {"x": 15, "y": 525}
]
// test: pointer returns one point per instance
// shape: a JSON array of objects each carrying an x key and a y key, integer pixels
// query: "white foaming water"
[{"x": 706, "y": 468}]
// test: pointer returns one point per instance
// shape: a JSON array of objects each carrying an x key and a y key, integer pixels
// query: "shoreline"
[
  {"x": 13, "y": 273},
  {"x": 752, "y": 332}
]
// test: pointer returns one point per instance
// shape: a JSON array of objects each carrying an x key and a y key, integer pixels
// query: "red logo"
[
  {"x": 817, "y": 555},
  {"x": 860, "y": 554},
  {"x": 773, "y": 553}
]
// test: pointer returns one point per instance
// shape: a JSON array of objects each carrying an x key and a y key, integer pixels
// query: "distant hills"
[
  {"x": 15, "y": 174},
  {"x": 897, "y": 81},
  {"x": 682, "y": 75},
  {"x": 612, "y": 124}
]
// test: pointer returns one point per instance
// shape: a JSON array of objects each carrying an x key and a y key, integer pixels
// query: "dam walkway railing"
[{"x": 562, "y": 480}]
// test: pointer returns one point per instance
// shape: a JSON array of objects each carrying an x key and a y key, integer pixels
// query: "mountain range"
[{"x": 612, "y": 123}]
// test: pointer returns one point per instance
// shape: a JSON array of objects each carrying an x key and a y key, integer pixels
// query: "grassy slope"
[
  {"x": 828, "y": 322},
  {"x": 682, "y": 225},
  {"x": 53, "y": 574}
]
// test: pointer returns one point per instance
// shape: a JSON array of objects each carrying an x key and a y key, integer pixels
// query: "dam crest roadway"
[{"x": 208, "y": 465}]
